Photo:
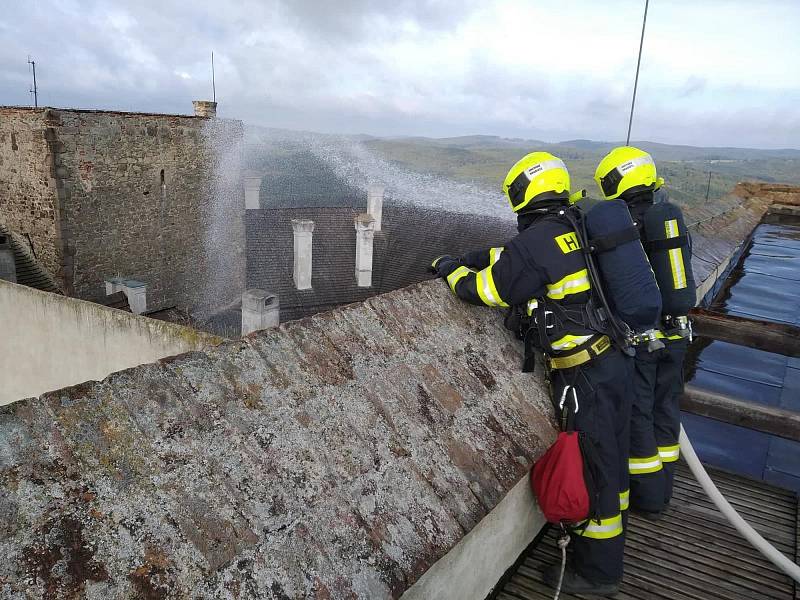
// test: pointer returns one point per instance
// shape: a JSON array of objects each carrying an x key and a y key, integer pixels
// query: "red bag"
[{"x": 559, "y": 481}]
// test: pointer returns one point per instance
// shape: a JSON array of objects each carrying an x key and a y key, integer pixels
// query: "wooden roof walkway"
[{"x": 692, "y": 553}]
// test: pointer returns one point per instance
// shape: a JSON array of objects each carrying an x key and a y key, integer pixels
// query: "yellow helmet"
[
  {"x": 623, "y": 169},
  {"x": 537, "y": 176}
]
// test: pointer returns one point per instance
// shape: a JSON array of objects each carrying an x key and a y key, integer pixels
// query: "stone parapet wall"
[
  {"x": 28, "y": 184},
  {"x": 49, "y": 341}
]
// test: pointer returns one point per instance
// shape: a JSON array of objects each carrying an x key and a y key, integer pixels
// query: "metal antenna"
[
  {"x": 213, "y": 81},
  {"x": 34, "y": 90},
  {"x": 636, "y": 81},
  {"x": 708, "y": 187}
]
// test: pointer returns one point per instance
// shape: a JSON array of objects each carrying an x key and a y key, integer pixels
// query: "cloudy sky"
[{"x": 714, "y": 72}]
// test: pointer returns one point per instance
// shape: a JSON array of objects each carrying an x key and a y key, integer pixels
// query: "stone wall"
[
  {"x": 157, "y": 198},
  {"x": 137, "y": 203},
  {"x": 49, "y": 341},
  {"x": 28, "y": 185}
]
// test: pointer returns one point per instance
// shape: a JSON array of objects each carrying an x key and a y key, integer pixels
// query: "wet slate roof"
[{"x": 410, "y": 238}]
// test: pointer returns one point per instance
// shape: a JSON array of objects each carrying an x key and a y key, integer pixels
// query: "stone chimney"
[
  {"x": 135, "y": 291},
  {"x": 303, "y": 230},
  {"x": 365, "y": 233},
  {"x": 205, "y": 108},
  {"x": 260, "y": 310},
  {"x": 375, "y": 204},
  {"x": 252, "y": 192},
  {"x": 8, "y": 268}
]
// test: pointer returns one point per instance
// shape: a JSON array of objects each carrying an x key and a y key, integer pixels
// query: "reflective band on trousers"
[
  {"x": 669, "y": 453},
  {"x": 457, "y": 276},
  {"x": 640, "y": 466},
  {"x": 574, "y": 283},
  {"x": 486, "y": 288},
  {"x": 675, "y": 256},
  {"x": 624, "y": 499},
  {"x": 570, "y": 341},
  {"x": 603, "y": 529}
]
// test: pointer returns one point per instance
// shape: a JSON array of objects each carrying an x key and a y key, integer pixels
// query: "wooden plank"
[
  {"x": 779, "y": 338},
  {"x": 758, "y": 417},
  {"x": 692, "y": 553}
]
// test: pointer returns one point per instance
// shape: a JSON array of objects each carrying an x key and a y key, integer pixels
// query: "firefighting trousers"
[
  {"x": 603, "y": 390},
  {"x": 655, "y": 425}
]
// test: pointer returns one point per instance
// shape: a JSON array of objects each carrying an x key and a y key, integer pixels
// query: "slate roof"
[
  {"x": 29, "y": 271},
  {"x": 410, "y": 238}
]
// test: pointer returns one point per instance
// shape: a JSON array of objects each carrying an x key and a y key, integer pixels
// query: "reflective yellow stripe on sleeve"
[
  {"x": 675, "y": 256},
  {"x": 669, "y": 453},
  {"x": 533, "y": 304},
  {"x": 603, "y": 529},
  {"x": 486, "y": 288},
  {"x": 648, "y": 464},
  {"x": 457, "y": 276},
  {"x": 624, "y": 499},
  {"x": 574, "y": 283},
  {"x": 494, "y": 254}
]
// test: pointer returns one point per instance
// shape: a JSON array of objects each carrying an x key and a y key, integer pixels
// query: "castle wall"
[
  {"x": 158, "y": 198},
  {"x": 138, "y": 190},
  {"x": 50, "y": 341},
  {"x": 28, "y": 185}
]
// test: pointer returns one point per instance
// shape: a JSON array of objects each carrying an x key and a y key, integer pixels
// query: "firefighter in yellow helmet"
[
  {"x": 543, "y": 271},
  {"x": 630, "y": 174}
]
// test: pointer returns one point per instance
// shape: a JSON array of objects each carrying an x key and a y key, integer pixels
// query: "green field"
[{"x": 484, "y": 160}]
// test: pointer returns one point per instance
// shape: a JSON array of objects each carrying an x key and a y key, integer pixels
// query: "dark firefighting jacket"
[{"x": 543, "y": 269}]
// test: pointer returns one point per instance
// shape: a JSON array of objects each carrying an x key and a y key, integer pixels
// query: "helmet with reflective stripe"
[
  {"x": 536, "y": 177},
  {"x": 625, "y": 169}
]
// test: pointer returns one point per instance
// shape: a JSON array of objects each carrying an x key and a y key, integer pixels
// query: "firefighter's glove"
[{"x": 442, "y": 266}]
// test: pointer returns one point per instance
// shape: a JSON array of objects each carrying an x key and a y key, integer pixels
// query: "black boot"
[
  {"x": 647, "y": 514},
  {"x": 573, "y": 583}
]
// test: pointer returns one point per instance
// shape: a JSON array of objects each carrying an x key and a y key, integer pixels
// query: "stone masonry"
[
  {"x": 107, "y": 194},
  {"x": 28, "y": 184}
]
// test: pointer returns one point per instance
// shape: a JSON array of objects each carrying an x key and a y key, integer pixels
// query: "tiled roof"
[
  {"x": 410, "y": 238},
  {"x": 334, "y": 457},
  {"x": 29, "y": 271}
]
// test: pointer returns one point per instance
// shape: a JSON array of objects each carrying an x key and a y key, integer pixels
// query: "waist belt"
[{"x": 592, "y": 349}]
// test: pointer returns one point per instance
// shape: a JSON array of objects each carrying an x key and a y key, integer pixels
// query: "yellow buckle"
[{"x": 573, "y": 360}]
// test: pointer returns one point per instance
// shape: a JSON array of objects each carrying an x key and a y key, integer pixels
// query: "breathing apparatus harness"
[{"x": 542, "y": 315}]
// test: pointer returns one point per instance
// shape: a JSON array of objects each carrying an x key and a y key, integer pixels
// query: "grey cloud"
[{"x": 312, "y": 65}]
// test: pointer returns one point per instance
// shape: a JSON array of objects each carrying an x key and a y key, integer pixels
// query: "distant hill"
[{"x": 484, "y": 160}]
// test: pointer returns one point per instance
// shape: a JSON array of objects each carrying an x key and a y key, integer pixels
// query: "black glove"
[{"x": 442, "y": 266}]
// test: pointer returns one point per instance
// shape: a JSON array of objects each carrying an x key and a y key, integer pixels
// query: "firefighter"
[
  {"x": 630, "y": 174},
  {"x": 543, "y": 269}
]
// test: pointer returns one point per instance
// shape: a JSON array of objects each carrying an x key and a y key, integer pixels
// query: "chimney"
[
  {"x": 252, "y": 192},
  {"x": 205, "y": 108},
  {"x": 135, "y": 291},
  {"x": 260, "y": 310},
  {"x": 303, "y": 229},
  {"x": 365, "y": 232},
  {"x": 375, "y": 204},
  {"x": 8, "y": 268}
]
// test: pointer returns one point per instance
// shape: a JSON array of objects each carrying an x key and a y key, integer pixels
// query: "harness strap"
[
  {"x": 666, "y": 244},
  {"x": 591, "y": 349},
  {"x": 612, "y": 240}
]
